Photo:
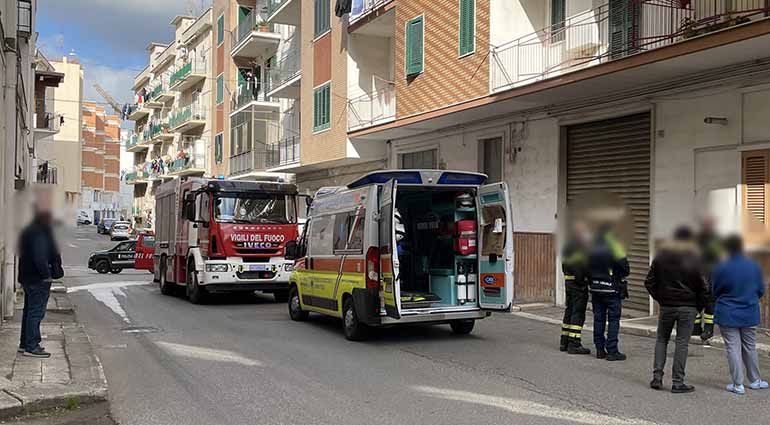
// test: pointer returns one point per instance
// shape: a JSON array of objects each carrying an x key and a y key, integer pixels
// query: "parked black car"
[
  {"x": 120, "y": 257},
  {"x": 105, "y": 225}
]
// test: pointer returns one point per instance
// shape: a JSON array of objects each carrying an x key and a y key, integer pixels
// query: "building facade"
[{"x": 100, "y": 170}]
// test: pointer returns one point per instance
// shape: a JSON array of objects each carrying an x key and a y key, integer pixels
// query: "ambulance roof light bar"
[{"x": 420, "y": 177}]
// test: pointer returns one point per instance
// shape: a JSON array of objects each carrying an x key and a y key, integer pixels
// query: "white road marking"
[
  {"x": 105, "y": 285},
  {"x": 203, "y": 353},
  {"x": 72, "y": 245},
  {"x": 524, "y": 407},
  {"x": 109, "y": 297}
]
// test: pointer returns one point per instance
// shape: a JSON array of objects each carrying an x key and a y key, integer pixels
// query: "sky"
[{"x": 109, "y": 37}]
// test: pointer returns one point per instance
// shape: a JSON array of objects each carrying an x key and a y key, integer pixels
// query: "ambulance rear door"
[
  {"x": 495, "y": 248},
  {"x": 389, "y": 265}
]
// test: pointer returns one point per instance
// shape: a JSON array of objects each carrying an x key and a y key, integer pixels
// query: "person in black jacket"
[
  {"x": 574, "y": 265},
  {"x": 608, "y": 267},
  {"x": 675, "y": 281},
  {"x": 39, "y": 264}
]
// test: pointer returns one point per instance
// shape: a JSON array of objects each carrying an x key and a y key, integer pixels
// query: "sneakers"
[
  {"x": 578, "y": 349},
  {"x": 737, "y": 389},
  {"x": 759, "y": 385},
  {"x": 682, "y": 388},
  {"x": 616, "y": 357},
  {"x": 22, "y": 349},
  {"x": 601, "y": 353},
  {"x": 38, "y": 353},
  {"x": 656, "y": 384}
]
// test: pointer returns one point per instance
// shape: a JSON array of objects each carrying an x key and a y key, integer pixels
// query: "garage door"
[{"x": 614, "y": 155}]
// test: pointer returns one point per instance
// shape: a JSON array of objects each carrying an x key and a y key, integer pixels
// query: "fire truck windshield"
[{"x": 249, "y": 208}]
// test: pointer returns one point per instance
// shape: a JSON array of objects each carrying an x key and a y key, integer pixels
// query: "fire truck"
[{"x": 216, "y": 236}]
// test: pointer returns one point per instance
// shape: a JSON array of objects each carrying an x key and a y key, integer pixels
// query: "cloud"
[{"x": 116, "y": 81}]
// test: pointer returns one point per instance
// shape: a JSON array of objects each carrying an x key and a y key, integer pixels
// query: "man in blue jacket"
[
  {"x": 39, "y": 264},
  {"x": 738, "y": 286}
]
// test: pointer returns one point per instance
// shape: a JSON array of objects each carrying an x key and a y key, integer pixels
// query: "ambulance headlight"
[
  {"x": 288, "y": 267},
  {"x": 217, "y": 268}
]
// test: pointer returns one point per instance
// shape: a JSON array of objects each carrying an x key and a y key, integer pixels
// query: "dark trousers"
[
  {"x": 574, "y": 314},
  {"x": 607, "y": 308},
  {"x": 35, "y": 301},
  {"x": 682, "y": 318}
]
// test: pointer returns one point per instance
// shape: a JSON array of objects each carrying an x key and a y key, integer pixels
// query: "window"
[
  {"x": 349, "y": 231},
  {"x": 467, "y": 34},
  {"x": 148, "y": 241},
  {"x": 414, "y": 46},
  {"x": 322, "y": 16},
  {"x": 558, "y": 14},
  {"x": 321, "y": 235},
  {"x": 220, "y": 89},
  {"x": 218, "y": 148},
  {"x": 756, "y": 199},
  {"x": 244, "y": 13},
  {"x": 427, "y": 159},
  {"x": 221, "y": 29},
  {"x": 322, "y": 107}
]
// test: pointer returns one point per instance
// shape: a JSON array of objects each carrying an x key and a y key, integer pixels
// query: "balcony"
[
  {"x": 248, "y": 161},
  {"x": 137, "y": 112},
  {"x": 247, "y": 95},
  {"x": 46, "y": 124},
  {"x": 362, "y": 8},
  {"x": 136, "y": 177},
  {"x": 372, "y": 109},
  {"x": 160, "y": 94},
  {"x": 187, "y": 165},
  {"x": 136, "y": 143},
  {"x": 254, "y": 37},
  {"x": 188, "y": 74},
  {"x": 609, "y": 33},
  {"x": 159, "y": 132},
  {"x": 284, "y": 78},
  {"x": 285, "y": 12},
  {"x": 189, "y": 118},
  {"x": 283, "y": 153}
]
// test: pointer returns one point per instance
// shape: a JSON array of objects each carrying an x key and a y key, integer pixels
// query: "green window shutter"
[
  {"x": 414, "y": 46},
  {"x": 220, "y": 89},
  {"x": 244, "y": 13},
  {"x": 322, "y": 107},
  {"x": 322, "y": 16},
  {"x": 221, "y": 30},
  {"x": 467, "y": 35},
  {"x": 218, "y": 148}
]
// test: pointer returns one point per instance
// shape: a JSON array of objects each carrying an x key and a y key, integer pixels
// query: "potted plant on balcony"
[{"x": 263, "y": 26}]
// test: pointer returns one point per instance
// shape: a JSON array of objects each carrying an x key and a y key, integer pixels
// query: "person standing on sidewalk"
[
  {"x": 710, "y": 245},
  {"x": 675, "y": 281},
  {"x": 39, "y": 264},
  {"x": 738, "y": 286},
  {"x": 575, "y": 268},
  {"x": 608, "y": 267}
]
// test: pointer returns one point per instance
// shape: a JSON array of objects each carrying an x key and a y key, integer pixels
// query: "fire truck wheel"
[
  {"x": 295, "y": 308},
  {"x": 195, "y": 293},
  {"x": 354, "y": 330},
  {"x": 462, "y": 327},
  {"x": 281, "y": 296},
  {"x": 166, "y": 288},
  {"x": 103, "y": 267}
]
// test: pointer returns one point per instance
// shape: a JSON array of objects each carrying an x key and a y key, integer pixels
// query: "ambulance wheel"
[
  {"x": 103, "y": 267},
  {"x": 281, "y": 296},
  {"x": 462, "y": 327},
  {"x": 295, "y": 308},
  {"x": 354, "y": 330},
  {"x": 195, "y": 293},
  {"x": 116, "y": 270},
  {"x": 166, "y": 288}
]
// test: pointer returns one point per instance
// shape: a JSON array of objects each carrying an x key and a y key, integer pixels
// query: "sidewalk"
[
  {"x": 72, "y": 376},
  {"x": 639, "y": 326}
]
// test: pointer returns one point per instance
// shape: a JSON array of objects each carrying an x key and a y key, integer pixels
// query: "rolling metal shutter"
[{"x": 614, "y": 155}]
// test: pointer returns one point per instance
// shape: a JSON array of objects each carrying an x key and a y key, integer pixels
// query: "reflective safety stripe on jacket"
[
  {"x": 571, "y": 331},
  {"x": 705, "y": 318}
]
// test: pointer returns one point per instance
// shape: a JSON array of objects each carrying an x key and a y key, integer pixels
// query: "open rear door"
[
  {"x": 391, "y": 287},
  {"x": 496, "y": 248}
]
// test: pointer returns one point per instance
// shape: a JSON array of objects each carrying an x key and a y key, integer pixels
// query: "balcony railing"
[
  {"x": 192, "y": 66},
  {"x": 252, "y": 22},
  {"x": 361, "y": 8},
  {"x": 372, "y": 108},
  {"x": 286, "y": 68},
  {"x": 47, "y": 121},
  {"x": 158, "y": 128},
  {"x": 247, "y": 93},
  {"x": 132, "y": 141},
  {"x": 285, "y": 152},
  {"x": 194, "y": 112},
  {"x": 608, "y": 33},
  {"x": 251, "y": 160},
  {"x": 136, "y": 176},
  {"x": 273, "y": 5}
]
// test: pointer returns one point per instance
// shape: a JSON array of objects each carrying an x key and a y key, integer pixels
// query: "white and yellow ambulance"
[{"x": 405, "y": 246}]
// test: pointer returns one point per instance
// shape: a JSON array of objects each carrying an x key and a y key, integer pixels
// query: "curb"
[
  {"x": 37, "y": 398},
  {"x": 643, "y": 331}
]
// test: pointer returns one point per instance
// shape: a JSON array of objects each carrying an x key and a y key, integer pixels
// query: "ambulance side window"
[
  {"x": 321, "y": 235},
  {"x": 349, "y": 232}
]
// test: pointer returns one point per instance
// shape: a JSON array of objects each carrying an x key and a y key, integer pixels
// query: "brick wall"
[
  {"x": 112, "y": 184},
  {"x": 447, "y": 79}
]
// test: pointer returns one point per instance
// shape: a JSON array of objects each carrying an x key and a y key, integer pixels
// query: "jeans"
[
  {"x": 607, "y": 308},
  {"x": 35, "y": 301},
  {"x": 741, "y": 346},
  {"x": 682, "y": 318}
]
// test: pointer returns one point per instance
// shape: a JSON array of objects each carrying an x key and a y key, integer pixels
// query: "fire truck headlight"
[{"x": 217, "y": 268}]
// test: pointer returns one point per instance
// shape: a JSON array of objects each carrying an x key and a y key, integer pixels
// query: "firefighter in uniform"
[
  {"x": 710, "y": 247},
  {"x": 576, "y": 278}
]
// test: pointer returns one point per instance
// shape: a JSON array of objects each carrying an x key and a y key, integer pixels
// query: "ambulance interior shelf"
[{"x": 438, "y": 267}]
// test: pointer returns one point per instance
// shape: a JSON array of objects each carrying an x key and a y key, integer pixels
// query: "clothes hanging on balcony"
[{"x": 343, "y": 7}]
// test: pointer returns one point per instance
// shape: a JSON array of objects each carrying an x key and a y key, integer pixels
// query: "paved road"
[{"x": 241, "y": 360}]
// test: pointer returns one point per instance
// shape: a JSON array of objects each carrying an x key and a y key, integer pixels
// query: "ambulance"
[{"x": 403, "y": 247}]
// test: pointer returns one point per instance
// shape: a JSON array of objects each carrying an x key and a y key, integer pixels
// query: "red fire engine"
[{"x": 224, "y": 236}]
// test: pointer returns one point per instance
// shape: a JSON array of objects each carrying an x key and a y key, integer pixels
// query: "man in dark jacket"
[
  {"x": 574, "y": 265},
  {"x": 675, "y": 281},
  {"x": 608, "y": 267},
  {"x": 39, "y": 263}
]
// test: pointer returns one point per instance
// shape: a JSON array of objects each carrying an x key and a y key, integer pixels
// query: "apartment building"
[
  {"x": 172, "y": 113},
  {"x": 17, "y": 169},
  {"x": 100, "y": 169},
  {"x": 661, "y": 102}
]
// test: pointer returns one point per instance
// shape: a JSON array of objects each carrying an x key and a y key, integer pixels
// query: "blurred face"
[{"x": 581, "y": 231}]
